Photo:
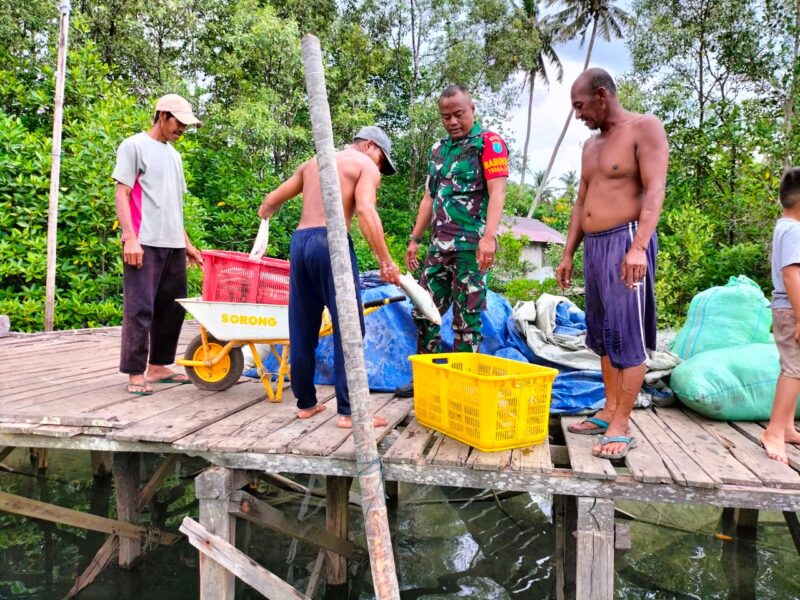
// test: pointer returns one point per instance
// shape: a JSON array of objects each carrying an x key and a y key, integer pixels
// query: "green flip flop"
[{"x": 601, "y": 427}]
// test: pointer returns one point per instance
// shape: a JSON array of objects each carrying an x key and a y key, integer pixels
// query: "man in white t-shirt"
[{"x": 149, "y": 202}]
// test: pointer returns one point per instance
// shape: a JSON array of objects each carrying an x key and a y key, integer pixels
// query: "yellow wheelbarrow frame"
[{"x": 216, "y": 365}]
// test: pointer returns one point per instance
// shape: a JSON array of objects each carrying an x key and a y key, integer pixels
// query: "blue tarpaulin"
[{"x": 391, "y": 337}]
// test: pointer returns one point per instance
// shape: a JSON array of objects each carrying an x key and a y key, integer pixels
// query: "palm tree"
[
  {"x": 577, "y": 18},
  {"x": 529, "y": 15},
  {"x": 570, "y": 181}
]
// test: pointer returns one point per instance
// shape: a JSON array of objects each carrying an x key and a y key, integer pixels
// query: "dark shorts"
[{"x": 621, "y": 322}]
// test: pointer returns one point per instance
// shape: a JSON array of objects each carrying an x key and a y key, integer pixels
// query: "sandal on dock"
[
  {"x": 601, "y": 427},
  {"x": 630, "y": 444}
]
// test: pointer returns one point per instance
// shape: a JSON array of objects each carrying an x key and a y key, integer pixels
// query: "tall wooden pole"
[
  {"x": 55, "y": 169},
  {"x": 379, "y": 542}
]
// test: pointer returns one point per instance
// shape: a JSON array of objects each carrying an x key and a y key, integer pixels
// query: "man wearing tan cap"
[{"x": 149, "y": 202}]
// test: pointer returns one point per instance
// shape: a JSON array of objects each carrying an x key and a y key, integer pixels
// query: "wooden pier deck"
[{"x": 63, "y": 390}]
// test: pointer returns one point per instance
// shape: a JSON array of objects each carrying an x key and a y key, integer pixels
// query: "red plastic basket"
[{"x": 235, "y": 277}]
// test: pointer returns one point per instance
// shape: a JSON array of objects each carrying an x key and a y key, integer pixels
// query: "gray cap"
[{"x": 375, "y": 134}]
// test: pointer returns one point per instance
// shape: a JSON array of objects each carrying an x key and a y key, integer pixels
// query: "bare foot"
[
  {"x": 346, "y": 422},
  {"x": 791, "y": 436},
  {"x": 305, "y": 413},
  {"x": 776, "y": 448}
]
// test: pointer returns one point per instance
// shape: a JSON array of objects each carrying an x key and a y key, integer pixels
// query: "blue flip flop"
[
  {"x": 601, "y": 427},
  {"x": 630, "y": 444}
]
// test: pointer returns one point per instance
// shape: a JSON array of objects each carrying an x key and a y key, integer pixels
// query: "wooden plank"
[
  {"x": 5, "y": 452},
  {"x": 65, "y": 516},
  {"x": 326, "y": 438},
  {"x": 680, "y": 464},
  {"x": 583, "y": 464},
  {"x": 532, "y": 459},
  {"x": 232, "y": 426},
  {"x": 251, "y": 508},
  {"x": 278, "y": 441},
  {"x": 489, "y": 461},
  {"x": 57, "y": 430},
  {"x": 753, "y": 432},
  {"x": 187, "y": 418},
  {"x": 771, "y": 472},
  {"x": 248, "y": 437},
  {"x": 16, "y": 427},
  {"x": 645, "y": 463},
  {"x": 97, "y": 391},
  {"x": 316, "y": 575},
  {"x": 410, "y": 445},
  {"x": 236, "y": 562},
  {"x": 595, "y": 549},
  {"x": 447, "y": 451},
  {"x": 118, "y": 408},
  {"x": 707, "y": 450},
  {"x": 394, "y": 412}
]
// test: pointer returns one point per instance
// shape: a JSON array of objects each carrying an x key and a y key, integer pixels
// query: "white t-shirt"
[
  {"x": 154, "y": 172},
  {"x": 785, "y": 252}
]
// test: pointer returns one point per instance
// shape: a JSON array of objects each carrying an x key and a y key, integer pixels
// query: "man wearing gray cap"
[
  {"x": 360, "y": 166},
  {"x": 149, "y": 201}
]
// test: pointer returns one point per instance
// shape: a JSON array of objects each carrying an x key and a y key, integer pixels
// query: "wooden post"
[
  {"x": 55, "y": 168},
  {"x": 595, "y": 549},
  {"x": 370, "y": 476},
  {"x": 740, "y": 555},
  {"x": 214, "y": 487},
  {"x": 392, "y": 494},
  {"x": 39, "y": 458},
  {"x": 565, "y": 517},
  {"x": 126, "y": 486},
  {"x": 794, "y": 527},
  {"x": 101, "y": 463},
  {"x": 337, "y": 491}
]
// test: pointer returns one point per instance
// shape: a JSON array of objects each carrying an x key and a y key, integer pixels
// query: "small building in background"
[{"x": 539, "y": 237}]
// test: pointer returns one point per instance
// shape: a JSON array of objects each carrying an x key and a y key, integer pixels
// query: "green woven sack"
[
  {"x": 729, "y": 384},
  {"x": 725, "y": 316}
]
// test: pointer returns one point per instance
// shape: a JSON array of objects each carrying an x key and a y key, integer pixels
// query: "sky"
[{"x": 551, "y": 105}]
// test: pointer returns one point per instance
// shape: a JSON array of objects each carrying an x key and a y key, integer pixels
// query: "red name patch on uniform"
[{"x": 495, "y": 156}]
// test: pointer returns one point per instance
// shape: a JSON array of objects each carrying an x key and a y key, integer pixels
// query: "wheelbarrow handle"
[{"x": 383, "y": 301}]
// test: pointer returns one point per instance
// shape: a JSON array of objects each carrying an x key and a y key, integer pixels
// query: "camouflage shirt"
[{"x": 457, "y": 174}]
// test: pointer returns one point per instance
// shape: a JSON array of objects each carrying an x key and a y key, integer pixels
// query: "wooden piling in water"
[
  {"x": 337, "y": 491},
  {"x": 126, "y": 488},
  {"x": 101, "y": 463},
  {"x": 213, "y": 488}
]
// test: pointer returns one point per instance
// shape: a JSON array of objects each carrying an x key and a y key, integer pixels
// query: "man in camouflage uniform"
[{"x": 463, "y": 200}]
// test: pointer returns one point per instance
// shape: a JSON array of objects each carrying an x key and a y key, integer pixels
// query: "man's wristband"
[{"x": 414, "y": 238}]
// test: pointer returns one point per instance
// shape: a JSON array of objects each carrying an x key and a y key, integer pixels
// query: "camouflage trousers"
[{"x": 452, "y": 278}]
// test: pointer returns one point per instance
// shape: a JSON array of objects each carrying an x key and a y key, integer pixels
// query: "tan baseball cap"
[{"x": 179, "y": 107}]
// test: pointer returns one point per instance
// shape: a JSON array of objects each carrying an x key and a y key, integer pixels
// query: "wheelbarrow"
[{"x": 214, "y": 360}]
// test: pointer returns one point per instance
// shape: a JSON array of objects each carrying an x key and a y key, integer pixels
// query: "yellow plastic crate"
[{"x": 487, "y": 402}]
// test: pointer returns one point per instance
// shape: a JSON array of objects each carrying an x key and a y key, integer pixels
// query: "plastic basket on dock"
[
  {"x": 235, "y": 277},
  {"x": 487, "y": 402}
]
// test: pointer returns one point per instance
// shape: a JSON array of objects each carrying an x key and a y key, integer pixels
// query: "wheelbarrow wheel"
[{"x": 217, "y": 377}]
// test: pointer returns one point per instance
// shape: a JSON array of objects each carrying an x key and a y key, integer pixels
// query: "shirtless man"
[
  {"x": 311, "y": 279},
  {"x": 623, "y": 175}
]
